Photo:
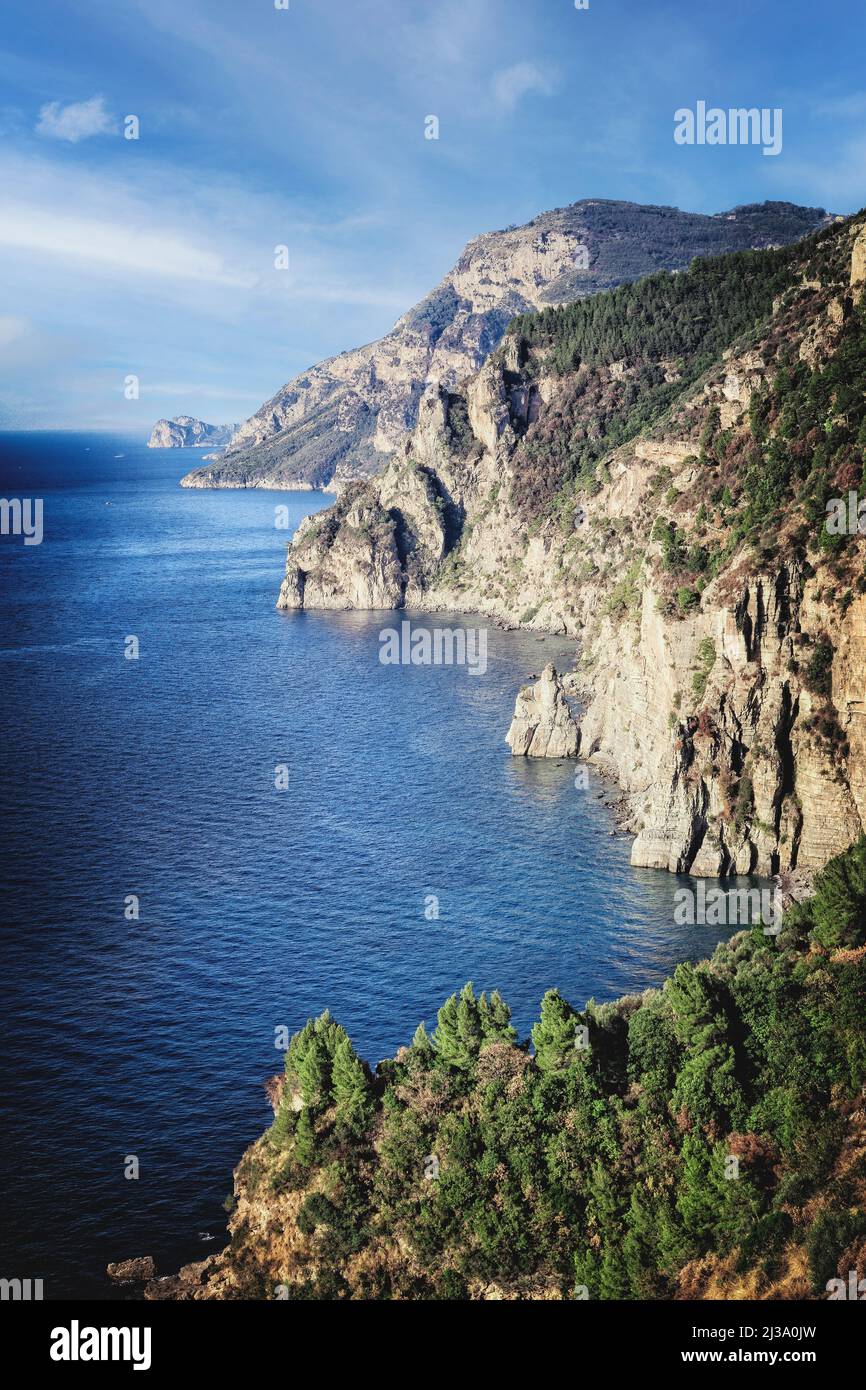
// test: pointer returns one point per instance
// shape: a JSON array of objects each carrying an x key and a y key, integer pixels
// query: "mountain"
[
  {"x": 662, "y": 471},
  {"x": 345, "y": 417},
  {"x": 650, "y": 471},
  {"x": 185, "y": 432}
]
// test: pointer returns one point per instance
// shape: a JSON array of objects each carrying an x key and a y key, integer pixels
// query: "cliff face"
[
  {"x": 345, "y": 417},
  {"x": 185, "y": 432},
  {"x": 722, "y": 658}
]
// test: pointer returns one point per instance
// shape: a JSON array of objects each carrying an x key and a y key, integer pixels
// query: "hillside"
[
  {"x": 649, "y": 470},
  {"x": 344, "y": 417},
  {"x": 703, "y": 1140}
]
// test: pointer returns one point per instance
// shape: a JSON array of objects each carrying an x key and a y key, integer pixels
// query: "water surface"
[{"x": 156, "y": 778}]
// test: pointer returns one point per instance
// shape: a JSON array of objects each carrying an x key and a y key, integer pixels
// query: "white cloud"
[
  {"x": 59, "y": 234},
  {"x": 156, "y": 233},
  {"x": 12, "y": 330},
  {"x": 77, "y": 121},
  {"x": 512, "y": 84}
]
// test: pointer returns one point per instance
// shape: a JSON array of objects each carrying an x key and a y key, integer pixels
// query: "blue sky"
[{"x": 304, "y": 127}]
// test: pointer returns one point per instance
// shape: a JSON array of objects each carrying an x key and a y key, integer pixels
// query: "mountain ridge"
[
  {"x": 647, "y": 471},
  {"x": 344, "y": 418}
]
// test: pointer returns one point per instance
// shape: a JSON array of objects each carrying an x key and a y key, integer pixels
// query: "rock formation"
[
  {"x": 344, "y": 418},
  {"x": 728, "y": 702},
  {"x": 136, "y": 1271},
  {"x": 858, "y": 264},
  {"x": 543, "y": 726},
  {"x": 185, "y": 432}
]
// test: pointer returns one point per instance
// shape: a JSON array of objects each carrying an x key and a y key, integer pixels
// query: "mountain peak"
[{"x": 344, "y": 418}]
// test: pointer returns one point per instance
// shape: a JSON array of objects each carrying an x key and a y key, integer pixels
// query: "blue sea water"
[{"x": 259, "y": 907}]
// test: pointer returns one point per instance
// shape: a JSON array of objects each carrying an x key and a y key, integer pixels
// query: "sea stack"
[{"x": 543, "y": 725}]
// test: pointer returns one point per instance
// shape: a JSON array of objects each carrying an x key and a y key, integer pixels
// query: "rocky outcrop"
[
  {"x": 858, "y": 264},
  {"x": 543, "y": 726},
  {"x": 185, "y": 432},
  {"x": 137, "y": 1271},
  {"x": 733, "y": 754},
  {"x": 344, "y": 418}
]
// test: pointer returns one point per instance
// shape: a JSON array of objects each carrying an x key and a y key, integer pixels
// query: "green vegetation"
[
  {"x": 706, "y": 1119},
  {"x": 624, "y": 597},
  {"x": 687, "y": 317},
  {"x": 706, "y": 662},
  {"x": 819, "y": 670}
]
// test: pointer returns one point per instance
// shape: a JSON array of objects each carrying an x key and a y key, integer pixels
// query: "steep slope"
[
  {"x": 649, "y": 470},
  {"x": 343, "y": 418}
]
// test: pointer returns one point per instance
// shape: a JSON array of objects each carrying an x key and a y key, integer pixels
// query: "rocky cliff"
[
  {"x": 650, "y": 472},
  {"x": 185, "y": 432},
  {"x": 345, "y": 417}
]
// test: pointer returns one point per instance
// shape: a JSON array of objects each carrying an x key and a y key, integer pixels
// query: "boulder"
[{"x": 133, "y": 1271}]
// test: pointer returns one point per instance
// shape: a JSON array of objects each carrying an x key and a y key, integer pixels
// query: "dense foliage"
[
  {"x": 711, "y": 1118},
  {"x": 664, "y": 331},
  {"x": 691, "y": 314},
  {"x": 634, "y": 361}
]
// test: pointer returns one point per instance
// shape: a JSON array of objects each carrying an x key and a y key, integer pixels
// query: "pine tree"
[
  {"x": 445, "y": 1036},
  {"x": 496, "y": 1019},
  {"x": 298, "y": 1044},
  {"x": 838, "y": 908},
  {"x": 697, "y": 1199},
  {"x": 313, "y": 1071},
  {"x": 351, "y": 1088},
  {"x": 421, "y": 1043},
  {"x": 553, "y": 1037},
  {"x": 469, "y": 1029},
  {"x": 305, "y": 1139},
  {"x": 457, "y": 1038},
  {"x": 639, "y": 1248}
]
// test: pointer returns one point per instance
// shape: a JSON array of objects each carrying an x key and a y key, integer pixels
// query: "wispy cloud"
[
  {"x": 12, "y": 330},
  {"x": 512, "y": 84},
  {"x": 837, "y": 180},
  {"x": 78, "y": 121},
  {"x": 845, "y": 108},
  {"x": 189, "y": 390},
  {"x": 115, "y": 246},
  {"x": 148, "y": 231}
]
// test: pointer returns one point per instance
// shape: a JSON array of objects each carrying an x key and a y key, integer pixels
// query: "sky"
[{"x": 302, "y": 124}]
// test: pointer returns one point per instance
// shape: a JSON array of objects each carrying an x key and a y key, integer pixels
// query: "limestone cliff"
[
  {"x": 344, "y": 418},
  {"x": 543, "y": 726},
  {"x": 185, "y": 432},
  {"x": 723, "y": 664}
]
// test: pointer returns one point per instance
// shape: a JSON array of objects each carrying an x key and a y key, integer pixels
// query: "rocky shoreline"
[{"x": 732, "y": 757}]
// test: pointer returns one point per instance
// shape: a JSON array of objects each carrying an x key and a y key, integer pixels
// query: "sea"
[{"x": 218, "y": 820}]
